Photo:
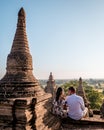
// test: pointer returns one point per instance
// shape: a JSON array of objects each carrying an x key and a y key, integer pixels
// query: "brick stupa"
[
  {"x": 19, "y": 80},
  {"x": 81, "y": 92},
  {"x": 23, "y": 103},
  {"x": 51, "y": 85}
]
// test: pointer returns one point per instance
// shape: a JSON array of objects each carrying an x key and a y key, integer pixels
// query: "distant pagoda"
[
  {"x": 80, "y": 91},
  {"x": 23, "y": 103},
  {"x": 51, "y": 85}
]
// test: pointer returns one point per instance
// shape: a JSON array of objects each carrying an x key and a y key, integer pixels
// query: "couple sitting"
[{"x": 72, "y": 106}]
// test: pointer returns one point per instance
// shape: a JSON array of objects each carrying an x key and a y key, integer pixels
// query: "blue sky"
[{"x": 66, "y": 37}]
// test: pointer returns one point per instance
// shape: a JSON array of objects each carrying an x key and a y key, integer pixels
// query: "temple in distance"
[{"x": 51, "y": 85}]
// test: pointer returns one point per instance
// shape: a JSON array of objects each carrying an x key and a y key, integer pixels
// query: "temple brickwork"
[
  {"x": 51, "y": 86},
  {"x": 23, "y": 103}
]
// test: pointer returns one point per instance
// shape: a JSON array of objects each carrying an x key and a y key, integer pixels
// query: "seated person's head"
[
  {"x": 59, "y": 93},
  {"x": 71, "y": 90}
]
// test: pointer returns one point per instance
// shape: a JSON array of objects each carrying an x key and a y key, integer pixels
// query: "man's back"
[{"x": 76, "y": 106}]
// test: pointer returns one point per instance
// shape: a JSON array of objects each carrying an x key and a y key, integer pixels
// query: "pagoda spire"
[
  {"x": 20, "y": 42},
  {"x": 51, "y": 76},
  {"x": 19, "y": 62},
  {"x": 81, "y": 92},
  {"x": 51, "y": 85}
]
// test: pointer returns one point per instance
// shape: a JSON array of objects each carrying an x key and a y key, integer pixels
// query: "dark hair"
[
  {"x": 72, "y": 89},
  {"x": 58, "y": 93}
]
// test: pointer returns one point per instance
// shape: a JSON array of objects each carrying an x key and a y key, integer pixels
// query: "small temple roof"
[
  {"x": 51, "y": 76},
  {"x": 81, "y": 92}
]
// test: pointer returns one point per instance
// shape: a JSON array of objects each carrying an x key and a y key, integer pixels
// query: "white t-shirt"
[{"x": 76, "y": 106}]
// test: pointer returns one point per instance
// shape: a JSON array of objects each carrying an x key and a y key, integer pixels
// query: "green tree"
[{"x": 95, "y": 99}]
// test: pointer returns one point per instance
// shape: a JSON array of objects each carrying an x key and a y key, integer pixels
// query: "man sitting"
[{"x": 75, "y": 104}]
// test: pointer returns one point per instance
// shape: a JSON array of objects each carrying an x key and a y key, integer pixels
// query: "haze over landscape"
[{"x": 66, "y": 37}]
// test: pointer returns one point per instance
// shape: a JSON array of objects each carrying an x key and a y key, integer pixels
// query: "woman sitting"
[{"x": 58, "y": 103}]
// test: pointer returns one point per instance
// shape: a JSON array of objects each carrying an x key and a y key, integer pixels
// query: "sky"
[{"x": 66, "y": 37}]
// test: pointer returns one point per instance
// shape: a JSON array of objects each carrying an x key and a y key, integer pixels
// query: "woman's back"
[{"x": 58, "y": 103}]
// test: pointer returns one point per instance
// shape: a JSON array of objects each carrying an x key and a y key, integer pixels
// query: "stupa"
[
  {"x": 19, "y": 80},
  {"x": 81, "y": 92},
  {"x": 51, "y": 85},
  {"x": 23, "y": 103}
]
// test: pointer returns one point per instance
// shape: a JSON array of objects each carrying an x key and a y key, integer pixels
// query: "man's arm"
[{"x": 82, "y": 103}]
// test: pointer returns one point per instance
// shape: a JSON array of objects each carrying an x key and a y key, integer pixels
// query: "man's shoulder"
[
  {"x": 73, "y": 95},
  {"x": 70, "y": 96},
  {"x": 79, "y": 97}
]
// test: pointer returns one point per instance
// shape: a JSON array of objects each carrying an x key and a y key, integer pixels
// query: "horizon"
[
  {"x": 64, "y": 37},
  {"x": 74, "y": 79}
]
